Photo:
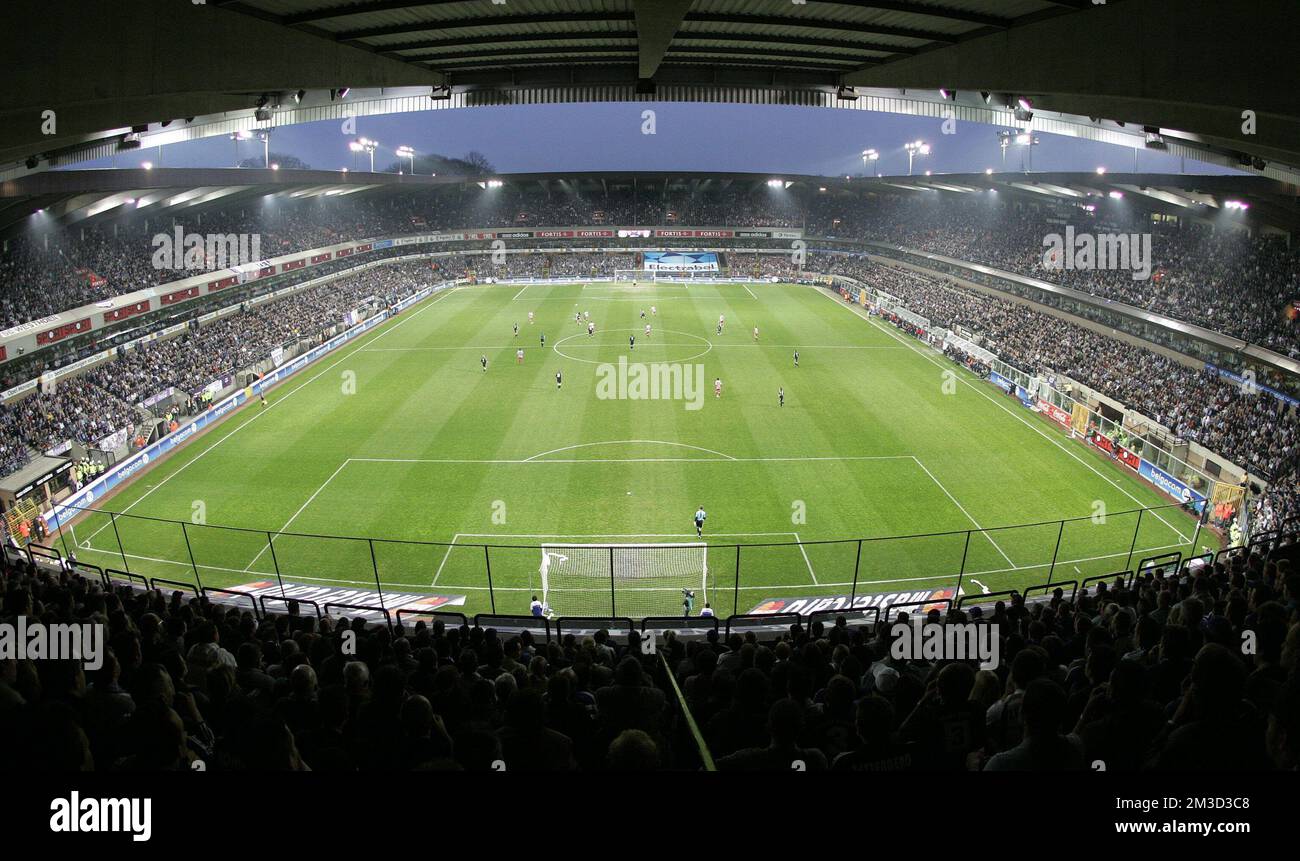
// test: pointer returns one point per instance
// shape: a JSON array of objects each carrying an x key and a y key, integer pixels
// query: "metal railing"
[{"x": 427, "y": 577}]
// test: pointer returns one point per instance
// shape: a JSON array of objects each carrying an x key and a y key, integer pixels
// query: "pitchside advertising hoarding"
[
  {"x": 330, "y": 598},
  {"x": 679, "y": 261},
  {"x": 917, "y": 602}
]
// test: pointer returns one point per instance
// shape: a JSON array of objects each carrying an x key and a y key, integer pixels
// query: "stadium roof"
[
  {"x": 1179, "y": 75},
  {"x": 70, "y": 197}
]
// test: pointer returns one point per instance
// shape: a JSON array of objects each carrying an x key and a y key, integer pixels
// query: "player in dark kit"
[
  {"x": 780, "y": 396},
  {"x": 796, "y": 358},
  {"x": 483, "y": 361},
  {"x": 558, "y": 380},
  {"x": 543, "y": 339},
  {"x": 516, "y": 330},
  {"x": 631, "y": 342}
]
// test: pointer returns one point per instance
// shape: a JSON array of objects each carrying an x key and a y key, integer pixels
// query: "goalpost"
[{"x": 635, "y": 580}]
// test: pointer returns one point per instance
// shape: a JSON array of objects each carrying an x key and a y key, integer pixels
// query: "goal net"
[{"x": 634, "y": 580}]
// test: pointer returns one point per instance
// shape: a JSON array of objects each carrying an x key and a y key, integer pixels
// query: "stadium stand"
[
  {"x": 1141, "y": 674},
  {"x": 1223, "y": 280},
  {"x": 1260, "y": 433}
]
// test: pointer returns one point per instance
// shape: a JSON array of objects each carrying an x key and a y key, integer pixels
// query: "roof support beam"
[{"x": 657, "y": 21}]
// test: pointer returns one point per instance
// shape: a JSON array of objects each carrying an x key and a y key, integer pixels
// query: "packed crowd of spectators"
[
  {"x": 1251, "y": 428},
  {"x": 1148, "y": 676},
  {"x": 541, "y": 265},
  {"x": 76, "y": 410},
  {"x": 1222, "y": 279}
]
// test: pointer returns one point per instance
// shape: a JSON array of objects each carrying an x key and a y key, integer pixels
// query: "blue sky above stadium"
[{"x": 688, "y": 136}]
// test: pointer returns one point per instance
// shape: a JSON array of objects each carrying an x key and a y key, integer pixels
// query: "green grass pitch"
[{"x": 402, "y": 436}]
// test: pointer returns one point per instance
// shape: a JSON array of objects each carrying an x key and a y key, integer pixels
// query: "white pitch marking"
[
  {"x": 806, "y": 560},
  {"x": 288, "y": 522},
  {"x": 628, "y": 442},
  {"x": 612, "y": 534},
  {"x": 586, "y": 345},
  {"x": 723, "y": 459},
  {"x": 964, "y": 511}
]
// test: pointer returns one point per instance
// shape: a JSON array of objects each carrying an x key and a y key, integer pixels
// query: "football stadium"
[{"x": 608, "y": 385}]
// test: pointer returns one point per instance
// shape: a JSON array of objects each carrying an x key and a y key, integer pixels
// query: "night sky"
[{"x": 688, "y": 136}]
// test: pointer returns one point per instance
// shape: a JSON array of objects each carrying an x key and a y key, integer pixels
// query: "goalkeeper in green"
[{"x": 688, "y": 602}]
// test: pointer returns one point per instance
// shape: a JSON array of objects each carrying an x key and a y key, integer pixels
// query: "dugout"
[{"x": 34, "y": 488}]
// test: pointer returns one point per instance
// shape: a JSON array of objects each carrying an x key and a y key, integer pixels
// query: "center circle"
[{"x": 708, "y": 345}]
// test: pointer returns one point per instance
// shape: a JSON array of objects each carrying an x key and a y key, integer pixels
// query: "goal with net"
[{"x": 634, "y": 580}]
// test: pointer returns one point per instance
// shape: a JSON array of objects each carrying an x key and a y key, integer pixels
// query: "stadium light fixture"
[
  {"x": 365, "y": 145},
  {"x": 927, "y": 173},
  {"x": 915, "y": 148},
  {"x": 988, "y": 171},
  {"x": 1007, "y": 139},
  {"x": 774, "y": 183},
  {"x": 821, "y": 188},
  {"x": 407, "y": 153},
  {"x": 1235, "y": 204},
  {"x": 870, "y": 155},
  {"x": 1116, "y": 195},
  {"x": 1101, "y": 171},
  {"x": 275, "y": 166},
  {"x": 947, "y": 95},
  {"x": 147, "y": 165}
]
